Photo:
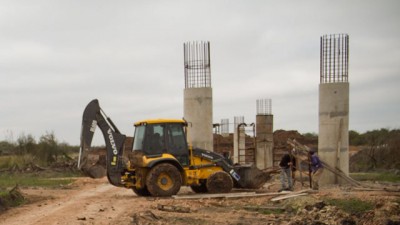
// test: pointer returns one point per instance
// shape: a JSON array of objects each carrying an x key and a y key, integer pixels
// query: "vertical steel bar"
[
  {"x": 320, "y": 61},
  {"x": 209, "y": 63},
  {"x": 334, "y": 59},
  {"x": 347, "y": 56},
  {"x": 341, "y": 56},
  {"x": 204, "y": 63},
  {"x": 326, "y": 60},
  {"x": 330, "y": 57},
  {"x": 184, "y": 64}
]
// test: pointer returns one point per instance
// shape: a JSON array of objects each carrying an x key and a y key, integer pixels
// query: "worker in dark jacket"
[
  {"x": 316, "y": 169},
  {"x": 288, "y": 166}
]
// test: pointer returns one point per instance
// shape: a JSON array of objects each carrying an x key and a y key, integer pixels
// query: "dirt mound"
[
  {"x": 324, "y": 213},
  {"x": 281, "y": 137}
]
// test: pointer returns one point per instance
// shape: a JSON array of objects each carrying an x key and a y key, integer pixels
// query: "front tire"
[
  {"x": 219, "y": 182},
  {"x": 163, "y": 180}
]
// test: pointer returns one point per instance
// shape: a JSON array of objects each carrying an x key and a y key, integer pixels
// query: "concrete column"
[
  {"x": 242, "y": 144},
  {"x": 265, "y": 141},
  {"x": 333, "y": 138},
  {"x": 198, "y": 112},
  {"x": 236, "y": 135},
  {"x": 198, "y": 94}
]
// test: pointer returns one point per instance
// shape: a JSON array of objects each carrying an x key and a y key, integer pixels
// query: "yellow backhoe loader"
[{"x": 161, "y": 161}]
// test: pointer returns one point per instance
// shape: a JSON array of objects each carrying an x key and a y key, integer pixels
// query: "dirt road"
[{"x": 89, "y": 201}]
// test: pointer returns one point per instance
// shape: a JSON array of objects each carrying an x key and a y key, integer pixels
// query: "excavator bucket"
[
  {"x": 93, "y": 116},
  {"x": 251, "y": 177},
  {"x": 89, "y": 125}
]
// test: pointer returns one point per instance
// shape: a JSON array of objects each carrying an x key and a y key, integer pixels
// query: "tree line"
[
  {"x": 380, "y": 148},
  {"x": 46, "y": 150}
]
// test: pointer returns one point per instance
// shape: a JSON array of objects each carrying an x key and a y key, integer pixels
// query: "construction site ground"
[{"x": 95, "y": 201}]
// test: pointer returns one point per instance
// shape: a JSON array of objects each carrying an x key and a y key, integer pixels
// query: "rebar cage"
[
  {"x": 334, "y": 65},
  {"x": 264, "y": 107},
  {"x": 197, "y": 64}
]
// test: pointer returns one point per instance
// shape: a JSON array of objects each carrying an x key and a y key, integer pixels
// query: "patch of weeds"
[
  {"x": 271, "y": 211},
  {"x": 351, "y": 206},
  {"x": 11, "y": 198},
  {"x": 29, "y": 180},
  {"x": 266, "y": 210},
  {"x": 384, "y": 176}
]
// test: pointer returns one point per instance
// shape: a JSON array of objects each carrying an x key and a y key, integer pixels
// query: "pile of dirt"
[
  {"x": 323, "y": 213},
  {"x": 281, "y": 137},
  {"x": 223, "y": 144}
]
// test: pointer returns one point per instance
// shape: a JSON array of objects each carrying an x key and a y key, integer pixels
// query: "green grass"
[
  {"x": 384, "y": 176},
  {"x": 272, "y": 211},
  {"x": 10, "y": 196},
  {"x": 10, "y": 199},
  {"x": 9, "y": 180},
  {"x": 14, "y": 160},
  {"x": 352, "y": 206}
]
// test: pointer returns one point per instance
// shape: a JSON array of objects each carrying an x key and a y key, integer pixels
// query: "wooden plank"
[
  {"x": 226, "y": 195},
  {"x": 219, "y": 195},
  {"x": 287, "y": 196}
]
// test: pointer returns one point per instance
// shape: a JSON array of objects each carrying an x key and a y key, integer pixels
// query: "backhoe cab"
[{"x": 161, "y": 161}]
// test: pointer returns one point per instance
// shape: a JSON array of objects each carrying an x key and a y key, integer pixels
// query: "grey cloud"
[{"x": 58, "y": 55}]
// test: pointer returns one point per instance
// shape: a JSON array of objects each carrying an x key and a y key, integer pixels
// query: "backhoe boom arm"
[{"x": 94, "y": 116}]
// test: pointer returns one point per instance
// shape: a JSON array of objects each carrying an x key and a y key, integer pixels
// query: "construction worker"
[
  {"x": 288, "y": 166},
  {"x": 316, "y": 169}
]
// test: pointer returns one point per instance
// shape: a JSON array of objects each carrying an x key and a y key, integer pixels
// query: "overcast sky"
[{"x": 56, "y": 56}]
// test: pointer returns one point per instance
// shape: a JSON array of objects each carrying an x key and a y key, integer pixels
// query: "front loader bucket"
[{"x": 251, "y": 177}]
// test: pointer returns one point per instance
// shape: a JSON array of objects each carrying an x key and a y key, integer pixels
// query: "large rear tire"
[
  {"x": 219, "y": 182},
  {"x": 164, "y": 180}
]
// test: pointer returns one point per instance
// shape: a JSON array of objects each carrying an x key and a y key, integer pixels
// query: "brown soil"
[{"x": 95, "y": 201}]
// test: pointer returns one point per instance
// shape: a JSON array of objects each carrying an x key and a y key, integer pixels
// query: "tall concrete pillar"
[
  {"x": 333, "y": 138},
  {"x": 264, "y": 134},
  {"x": 198, "y": 104},
  {"x": 239, "y": 140}
]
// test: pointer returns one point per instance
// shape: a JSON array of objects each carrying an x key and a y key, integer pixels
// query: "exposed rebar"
[
  {"x": 264, "y": 107},
  {"x": 224, "y": 127},
  {"x": 197, "y": 64},
  {"x": 238, "y": 120},
  {"x": 334, "y": 58}
]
